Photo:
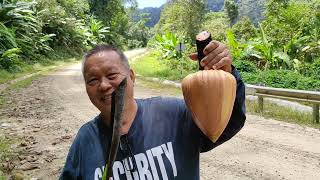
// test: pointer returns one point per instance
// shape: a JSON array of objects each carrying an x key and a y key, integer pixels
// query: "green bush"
[
  {"x": 10, "y": 59},
  {"x": 245, "y": 66},
  {"x": 217, "y": 24},
  {"x": 308, "y": 83},
  {"x": 250, "y": 78},
  {"x": 244, "y": 29},
  {"x": 315, "y": 67},
  {"x": 281, "y": 79}
]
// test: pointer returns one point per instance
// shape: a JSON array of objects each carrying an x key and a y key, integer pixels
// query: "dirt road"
[{"x": 47, "y": 115}]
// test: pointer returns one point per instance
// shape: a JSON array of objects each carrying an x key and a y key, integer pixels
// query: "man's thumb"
[{"x": 193, "y": 56}]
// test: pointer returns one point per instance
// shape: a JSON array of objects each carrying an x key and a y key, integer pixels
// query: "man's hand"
[{"x": 217, "y": 57}]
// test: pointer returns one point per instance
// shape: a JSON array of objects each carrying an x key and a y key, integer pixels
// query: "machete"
[{"x": 117, "y": 107}]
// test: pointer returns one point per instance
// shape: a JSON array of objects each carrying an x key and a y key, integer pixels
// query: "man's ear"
[{"x": 132, "y": 76}]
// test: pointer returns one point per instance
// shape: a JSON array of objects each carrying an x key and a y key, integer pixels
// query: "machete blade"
[{"x": 117, "y": 107}]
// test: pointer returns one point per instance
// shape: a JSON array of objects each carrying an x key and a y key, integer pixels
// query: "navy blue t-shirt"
[{"x": 162, "y": 143}]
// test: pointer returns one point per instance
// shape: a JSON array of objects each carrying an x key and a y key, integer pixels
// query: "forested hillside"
[
  {"x": 282, "y": 50},
  {"x": 152, "y": 13},
  {"x": 251, "y": 8}
]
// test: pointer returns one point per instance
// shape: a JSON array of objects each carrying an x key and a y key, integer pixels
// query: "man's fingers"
[
  {"x": 193, "y": 56},
  {"x": 218, "y": 58},
  {"x": 212, "y": 55},
  {"x": 224, "y": 63},
  {"x": 210, "y": 47}
]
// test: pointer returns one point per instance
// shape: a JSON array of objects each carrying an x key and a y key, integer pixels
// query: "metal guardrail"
[
  {"x": 277, "y": 93},
  {"x": 287, "y": 94}
]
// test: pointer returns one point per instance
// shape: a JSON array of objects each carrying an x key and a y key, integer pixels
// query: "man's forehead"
[
  {"x": 106, "y": 54},
  {"x": 103, "y": 56},
  {"x": 110, "y": 57}
]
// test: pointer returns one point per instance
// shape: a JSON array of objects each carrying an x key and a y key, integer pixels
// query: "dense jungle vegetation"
[
  {"x": 42, "y": 31},
  {"x": 280, "y": 50},
  {"x": 273, "y": 42}
]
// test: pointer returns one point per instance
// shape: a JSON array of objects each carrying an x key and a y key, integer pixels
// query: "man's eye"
[
  {"x": 92, "y": 81},
  {"x": 112, "y": 76}
]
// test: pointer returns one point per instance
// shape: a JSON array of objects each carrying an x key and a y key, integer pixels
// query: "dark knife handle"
[{"x": 202, "y": 40}]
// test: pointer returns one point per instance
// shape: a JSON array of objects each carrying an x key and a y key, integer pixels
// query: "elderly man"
[{"x": 159, "y": 137}]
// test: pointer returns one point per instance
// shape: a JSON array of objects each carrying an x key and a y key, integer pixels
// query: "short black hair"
[{"x": 106, "y": 47}]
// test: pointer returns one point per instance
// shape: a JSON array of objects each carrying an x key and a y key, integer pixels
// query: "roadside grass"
[
  {"x": 23, "y": 83},
  {"x": 149, "y": 67},
  {"x": 2, "y": 176},
  {"x": 286, "y": 114},
  {"x": 44, "y": 65},
  {"x": 159, "y": 86}
]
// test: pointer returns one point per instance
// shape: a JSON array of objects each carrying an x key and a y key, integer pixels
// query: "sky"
[{"x": 150, "y": 3}]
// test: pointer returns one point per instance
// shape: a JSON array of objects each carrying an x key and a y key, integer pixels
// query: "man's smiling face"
[{"x": 103, "y": 72}]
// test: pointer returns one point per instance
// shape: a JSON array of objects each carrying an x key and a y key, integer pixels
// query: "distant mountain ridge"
[
  {"x": 251, "y": 8},
  {"x": 154, "y": 15}
]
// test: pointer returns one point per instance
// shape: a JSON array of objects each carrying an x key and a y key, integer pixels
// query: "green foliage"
[
  {"x": 292, "y": 17},
  {"x": 112, "y": 13},
  {"x": 216, "y": 23},
  {"x": 98, "y": 31},
  {"x": 138, "y": 33},
  {"x": 9, "y": 58},
  {"x": 32, "y": 31},
  {"x": 182, "y": 17},
  {"x": 167, "y": 44},
  {"x": 74, "y": 8},
  {"x": 282, "y": 79},
  {"x": 252, "y": 9},
  {"x": 69, "y": 31},
  {"x": 20, "y": 34},
  {"x": 244, "y": 29},
  {"x": 7, "y": 37},
  {"x": 237, "y": 48},
  {"x": 286, "y": 114},
  {"x": 21, "y": 18},
  {"x": 259, "y": 50},
  {"x": 315, "y": 69},
  {"x": 245, "y": 66},
  {"x": 151, "y": 66},
  {"x": 232, "y": 11}
]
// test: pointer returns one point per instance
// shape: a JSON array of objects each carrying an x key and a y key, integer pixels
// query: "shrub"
[
  {"x": 245, "y": 66},
  {"x": 315, "y": 68},
  {"x": 281, "y": 79}
]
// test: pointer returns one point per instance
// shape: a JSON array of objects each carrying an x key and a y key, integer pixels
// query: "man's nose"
[{"x": 105, "y": 84}]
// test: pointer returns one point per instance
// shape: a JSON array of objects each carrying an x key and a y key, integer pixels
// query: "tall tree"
[
  {"x": 232, "y": 11},
  {"x": 183, "y": 17},
  {"x": 113, "y": 14}
]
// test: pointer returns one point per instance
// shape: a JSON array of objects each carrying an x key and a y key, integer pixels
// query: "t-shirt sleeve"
[
  {"x": 236, "y": 121},
  {"x": 71, "y": 168}
]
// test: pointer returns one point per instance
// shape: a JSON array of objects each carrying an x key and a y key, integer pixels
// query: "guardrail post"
[
  {"x": 316, "y": 113},
  {"x": 260, "y": 104}
]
